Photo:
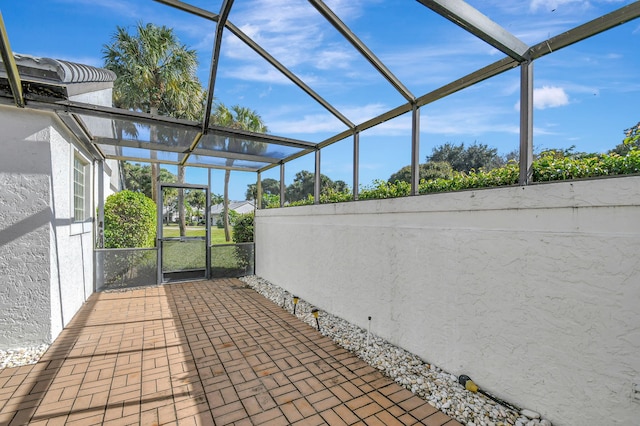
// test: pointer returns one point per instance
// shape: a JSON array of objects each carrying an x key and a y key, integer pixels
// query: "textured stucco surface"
[
  {"x": 532, "y": 291},
  {"x": 71, "y": 250},
  {"x": 45, "y": 257},
  {"x": 25, "y": 217}
]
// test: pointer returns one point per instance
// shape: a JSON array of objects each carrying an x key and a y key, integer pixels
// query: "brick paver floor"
[{"x": 201, "y": 353}]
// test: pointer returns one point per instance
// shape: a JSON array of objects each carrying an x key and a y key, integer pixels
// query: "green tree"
[
  {"x": 197, "y": 199},
  {"x": 303, "y": 186},
  {"x": 216, "y": 199},
  {"x": 241, "y": 118},
  {"x": 137, "y": 177},
  {"x": 474, "y": 157},
  {"x": 155, "y": 74},
  {"x": 233, "y": 216},
  {"x": 269, "y": 187},
  {"x": 130, "y": 220},
  {"x": 630, "y": 142},
  {"x": 428, "y": 171}
]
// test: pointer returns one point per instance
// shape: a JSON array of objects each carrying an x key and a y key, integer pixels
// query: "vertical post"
[
  {"x": 98, "y": 265},
  {"x": 356, "y": 164},
  {"x": 259, "y": 191},
  {"x": 159, "y": 230},
  {"x": 208, "y": 224},
  {"x": 209, "y": 185},
  {"x": 415, "y": 149},
  {"x": 100, "y": 196},
  {"x": 207, "y": 233},
  {"x": 526, "y": 122},
  {"x": 317, "y": 181},
  {"x": 282, "y": 185}
]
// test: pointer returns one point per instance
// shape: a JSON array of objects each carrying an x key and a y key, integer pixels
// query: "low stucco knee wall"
[{"x": 532, "y": 291}]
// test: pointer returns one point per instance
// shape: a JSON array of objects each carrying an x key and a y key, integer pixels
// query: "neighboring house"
[
  {"x": 49, "y": 184},
  {"x": 240, "y": 207}
]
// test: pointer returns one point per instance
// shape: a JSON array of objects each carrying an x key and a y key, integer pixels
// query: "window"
[{"x": 80, "y": 196}]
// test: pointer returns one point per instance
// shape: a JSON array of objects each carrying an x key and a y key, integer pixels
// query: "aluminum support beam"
[
  {"x": 473, "y": 21},
  {"x": 415, "y": 150},
  {"x": 291, "y": 76},
  {"x": 81, "y": 134},
  {"x": 194, "y": 143},
  {"x": 317, "y": 182},
  {"x": 282, "y": 188},
  {"x": 260, "y": 51},
  {"x": 215, "y": 58},
  {"x": 209, "y": 206},
  {"x": 455, "y": 86},
  {"x": 237, "y": 156},
  {"x": 362, "y": 48},
  {"x": 259, "y": 191},
  {"x": 99, "y": 243},
  {"x": 591, "y": 28},
  {"x": 356, "y": 165},
  {"x": 194, "y": 10},
  {"x": 180, "y": 150},
  {"x": 10, "y": 66},
  {"x": 140, "y": 117},
  {"x": 526, "y": 123},
  {"x": 176, "y": 163}
]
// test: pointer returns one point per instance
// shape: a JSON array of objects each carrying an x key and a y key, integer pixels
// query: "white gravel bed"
[
  {"x": 21, "y": 356},
  {"x": 426, "y": 380}
]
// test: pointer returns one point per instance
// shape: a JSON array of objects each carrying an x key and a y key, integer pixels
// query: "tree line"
[
  {"x": 456, "y": 166},
  {"x": 156, "y": 74}
]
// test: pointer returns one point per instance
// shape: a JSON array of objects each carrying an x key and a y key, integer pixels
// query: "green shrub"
[
  {"x": 332, "y": 195},
  {"x": 384, "y": 189},
  {"x": 243, "y": 228},
  {"x": 233, "y": 216},
  {"x": 130, "y": 220},
  {"x": 550, "y": 166},
  {"x": 501, "y": 176}
]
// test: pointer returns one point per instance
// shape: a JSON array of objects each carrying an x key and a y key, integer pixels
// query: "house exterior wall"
[
  {"x": 72, "y": 246},
  {"x": 46, "y": 257},
  {"x": 25, "y": 224},
  {"x": 532, "y": 291}
]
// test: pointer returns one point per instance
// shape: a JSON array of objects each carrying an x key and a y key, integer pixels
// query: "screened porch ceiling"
[{"x": 114, "y": 133}]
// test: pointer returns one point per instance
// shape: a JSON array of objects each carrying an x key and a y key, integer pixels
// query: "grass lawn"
[
  {"x": 217, "y": 234},
  {"x": 190, "y": 254}
]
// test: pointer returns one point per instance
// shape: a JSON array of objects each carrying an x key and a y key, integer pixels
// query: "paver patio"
[{"x": 208, "y": 352}]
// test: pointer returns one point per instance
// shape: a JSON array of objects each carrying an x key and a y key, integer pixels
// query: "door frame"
[{"x": 159, "y": 237}]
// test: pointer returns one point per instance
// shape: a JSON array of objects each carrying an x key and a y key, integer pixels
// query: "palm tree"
[
  {"x": 155, "y": 74},
  {"x": 241, "y": 118}
]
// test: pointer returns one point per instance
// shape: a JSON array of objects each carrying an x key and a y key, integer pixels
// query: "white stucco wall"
[
  {"x": 72, "y": 248},
  {"x": 533, "y": 291},
  {"x": 25, "y": 216},
  {"x": 45, "y": 257}
]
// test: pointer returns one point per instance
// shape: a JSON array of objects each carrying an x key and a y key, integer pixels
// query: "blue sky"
[{"x": 585, "y": 95}]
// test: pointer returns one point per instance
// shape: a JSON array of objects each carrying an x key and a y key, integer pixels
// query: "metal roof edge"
[{"x": 58, "y": 70}]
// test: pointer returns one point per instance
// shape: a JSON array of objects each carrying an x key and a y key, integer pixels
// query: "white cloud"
[
  {"x": 295, "y": 34},
  {"x": 470, "y": 121},
  {"x": 549, "y": 97},
  {"x": 308, "y": 124},
  {"x": 333, "y": 59},
  {"x": 264, "y": 74},
  {"x": 325, "y": 122}
]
